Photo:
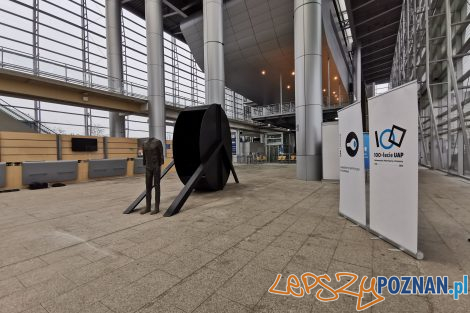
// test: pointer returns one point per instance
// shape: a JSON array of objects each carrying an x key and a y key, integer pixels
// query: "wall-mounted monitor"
[{"x": 84, "y": 144}]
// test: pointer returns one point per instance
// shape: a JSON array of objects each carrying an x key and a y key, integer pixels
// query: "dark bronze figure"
[{"x": 153, "y": 160}]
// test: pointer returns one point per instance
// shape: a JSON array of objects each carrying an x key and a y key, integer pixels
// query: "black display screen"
[{"x": 84, "y": 144}]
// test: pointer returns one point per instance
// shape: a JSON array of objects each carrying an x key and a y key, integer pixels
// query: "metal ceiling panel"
[{"x": 375, "y": 24}]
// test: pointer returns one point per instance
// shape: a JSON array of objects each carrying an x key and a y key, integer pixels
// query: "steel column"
[
  {"x": 37, "y": 103},
  {"x": 358, "y": 76},
  {"x": 428, "y": 89},
  {"x": 329, "y": 83},
  {"x": 421, "y": 131},
  {"x": 85, "y": 62},
  {"x": 117, "y": 125},
  {"x": 155, "y": 70},
  {"x": 450, "y": 67},
  {"x": 308, "y": 88},
  {"x": 214, "y": 52}
]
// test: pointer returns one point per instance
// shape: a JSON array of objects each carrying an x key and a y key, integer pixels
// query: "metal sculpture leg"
[
  {"x": 141, "y": 197},
  {"x": 230, "y": 164},
  {"x": 149, "y": 177},
  {"x": 177, "y": 204},
  {"x": 156, "y": 184}
]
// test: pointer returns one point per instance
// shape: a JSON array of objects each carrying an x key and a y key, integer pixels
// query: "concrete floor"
[{"x": 71, "y": 250}]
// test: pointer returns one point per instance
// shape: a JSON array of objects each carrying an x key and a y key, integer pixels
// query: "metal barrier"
[
  {"x": 3, "y": 174},
  {"x": 107, "y": 168},
  {"x": 139, "y": 167},
  {"x": 49, "y": 171},
  {"x": 273, "y": 109}
]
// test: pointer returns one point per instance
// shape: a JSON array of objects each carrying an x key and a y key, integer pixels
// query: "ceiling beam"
[
  {"x": 379, "y": 40},
  {"x": 375, "y": 51},
  {"x": 379, "y": 15},
  {"x": 190, "y": 5},
  {"x": 387, "y": 69},
  {"x": 377, "y": 78},
  {"x": 363, "y": 5},
  {"x": 174, "y": 8},
  {"x": 376, "y": 59},
  {"x": 378, "y": 30},
  {"x": 375, "y": 66},
  {"x": 351, "y": 19}
]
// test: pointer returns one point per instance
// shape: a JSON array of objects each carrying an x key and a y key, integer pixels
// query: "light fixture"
[
  {"x": 336, "y": 118},
  {"x": 288, "y": 86},
  {"x": 336, "y": 77},
  {"x": 334, "y": 92},
  {"x": 293, "y": 73},
  {"x": 324, "y": 90},
  {"x": 263, "y": 72}
]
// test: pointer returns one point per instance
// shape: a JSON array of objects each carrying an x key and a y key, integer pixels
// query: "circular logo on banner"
[{"x": 352, "y": 144}]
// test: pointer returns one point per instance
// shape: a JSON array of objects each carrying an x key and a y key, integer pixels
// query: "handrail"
[
  {"x": 23, "y": 117},
  {"x": 273, "y": 109},
  {"x": 84, "y": 78},
  {"x": 75, "y": 75}
]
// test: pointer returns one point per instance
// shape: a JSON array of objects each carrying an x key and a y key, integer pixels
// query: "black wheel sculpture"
[{"x": 201, "y": 152}]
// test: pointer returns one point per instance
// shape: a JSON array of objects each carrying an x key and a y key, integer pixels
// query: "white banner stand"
[
  {"x": 393, "y": 140},
  {"x": 352, "y": 195}
]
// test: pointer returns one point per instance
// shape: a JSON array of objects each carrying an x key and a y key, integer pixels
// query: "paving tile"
[
  {"x": 97, "y": 269},
  {"x": 36, "y": 309},
  {"x": 248, "y": 285},
  {"x": 354, "y": 253},
  {"x": 409, "y": 303},
  {"x": 191, "y": 292},
  {"x": 243, "y": 230},
  {"x": 141, "y": 267},
  {"x": 313, "y": 256},
  {"x": 73, "y": 301},
  {"x": 137, "y": 251},
  {"x": 273, "y": 258},
  {"x": 220, "y": 244},
  {"x": 272, "y": 303},
  {"x": 255, "y": 242},
  {"x": 221, "y": 305},
  {"x": 140, "y": 293},
  {"x": 20, "y": 301},
  {"x": 55, "y": 286},
  {"x": 231, "y": 261},
  {"x": 182, "y": 246},
  {"x": 21, "y": 267},
  {"x": 96, "y": 307},
  {"x": 188, "y": 263},
  {"x": 9, "y": 286},
  {"x": 42, "y": 274},
  {"x": 159, "y": 307},
  {"x": 220, "y": 254},
  {"x": 290, "y": 240}
]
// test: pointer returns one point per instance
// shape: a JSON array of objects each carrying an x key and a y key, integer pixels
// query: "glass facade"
[{"x": 67, "y": 40}]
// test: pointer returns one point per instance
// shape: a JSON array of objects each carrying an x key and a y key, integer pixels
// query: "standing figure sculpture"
[{"x": 153, "y": 160}]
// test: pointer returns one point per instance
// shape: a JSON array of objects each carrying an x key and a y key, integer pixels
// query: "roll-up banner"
[
  {"x": 393, "y": 135},
  {"x": 352, "y": 194}
]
